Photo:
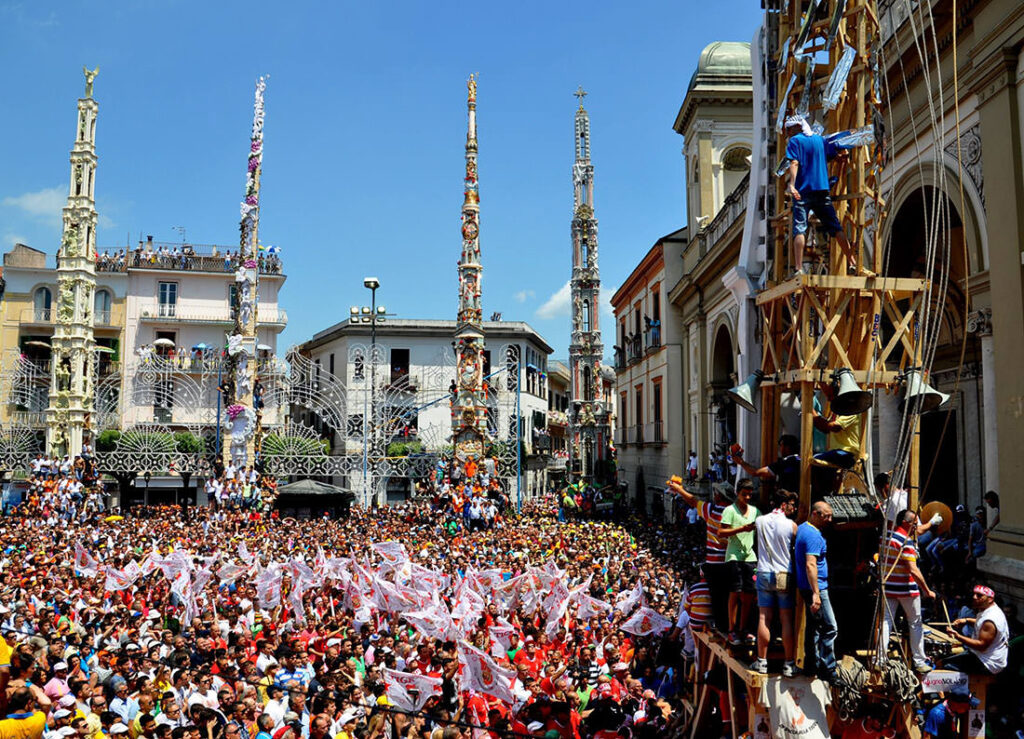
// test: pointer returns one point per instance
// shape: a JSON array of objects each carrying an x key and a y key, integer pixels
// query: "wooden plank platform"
[{"x": 898, "y": 287}]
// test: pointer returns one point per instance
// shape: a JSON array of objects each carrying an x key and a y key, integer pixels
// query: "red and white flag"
[
  {"x": 482, "y": 674},
  {"x": 424, "y": 686},
  {"x": 628, "y": 599},
  {"x": 84, "y": 562},
  {"x": 590, "y": 607},
  {"x": 392, "y": 552},
  {"x": 646, "y": 621},
  {"x": 117, "y": 580}
]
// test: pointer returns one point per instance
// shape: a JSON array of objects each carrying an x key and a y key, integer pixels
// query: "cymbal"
[{"x": 930, "y": 509}]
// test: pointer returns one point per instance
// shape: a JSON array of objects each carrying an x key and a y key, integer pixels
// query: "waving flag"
[
  {"x": 433, "y": 622},
  {"x": 590, "y": 607},
  {"x": 84, "y": 561},
  {"x": 392, "y": 552},
  {"x": 627, "y": 600},
  {"x": 424, "y": 686},
  {"x": 482, "y": 674},
  {"x": 117, "y": 580},
  {"x": 646, "y": 621}
]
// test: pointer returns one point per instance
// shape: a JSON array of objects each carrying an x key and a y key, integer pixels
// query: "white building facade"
[{"x": 408, "y": 391}]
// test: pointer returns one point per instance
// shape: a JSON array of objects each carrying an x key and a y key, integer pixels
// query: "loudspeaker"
[
  {"x": 848, "y": 399},
  {"x": 915, "y": 386},
  {"x": 745, "y": 395}
]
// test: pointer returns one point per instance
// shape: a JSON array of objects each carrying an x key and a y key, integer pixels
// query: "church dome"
[{"x": 722, "y": 60}]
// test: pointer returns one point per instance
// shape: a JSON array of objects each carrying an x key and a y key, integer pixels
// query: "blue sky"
[{"x": 365, "y": 134}]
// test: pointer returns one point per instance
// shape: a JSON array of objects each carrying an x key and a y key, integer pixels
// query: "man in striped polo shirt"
[
  {"x": 904, "y": 585},
  {"x": 716, "y": 573}
]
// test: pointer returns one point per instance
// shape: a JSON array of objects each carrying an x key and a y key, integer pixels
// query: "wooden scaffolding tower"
[
  {"x": 815, "y": 324},
  {"x": 826, "y": 320}
]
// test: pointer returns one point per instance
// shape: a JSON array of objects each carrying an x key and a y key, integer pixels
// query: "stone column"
[
  {"x": 996, "y": 86},
  {"x": 990, "y": 438}
]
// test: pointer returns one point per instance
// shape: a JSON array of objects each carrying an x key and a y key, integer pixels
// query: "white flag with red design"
[
  {"x": 646, "y": 621},
  {"x": 628, "y": 599},
  {"x": 84, "y": 562},
  {"x": 482, "y": 674},
  {"x": 117, "y": 580},
  {"x": 392, "y": 552},
  {"x": 590, "y": 607},
  {"x": 424, "y": 686}
]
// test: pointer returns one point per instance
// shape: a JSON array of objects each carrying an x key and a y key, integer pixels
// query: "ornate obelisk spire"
[
  {"x": 469, "y": 407},
  {"x": 587, "y": 415},
  {"x": 241, "y": 411},
  {"x": 71, "y": 387}
]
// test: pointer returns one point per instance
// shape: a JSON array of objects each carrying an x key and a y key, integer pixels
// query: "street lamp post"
[{"x": 369, "y": 315}]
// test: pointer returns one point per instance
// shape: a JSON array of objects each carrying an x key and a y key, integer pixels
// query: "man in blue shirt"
[
  {"x": 811, "y": 565},
  {"x": 808, "y": 187},
  {"x": 943, "y": 720}
]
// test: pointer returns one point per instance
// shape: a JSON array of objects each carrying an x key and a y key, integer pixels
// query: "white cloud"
[
  {"x": 105, "y": 221},
  {"x": 10, "y": 239},
  {"x": 523, "y": 295},
  {"x": 557, "y": 305},
  {"x": 43, "y": 204}
]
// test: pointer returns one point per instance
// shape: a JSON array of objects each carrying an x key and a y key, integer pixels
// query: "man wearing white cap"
[
  {"x": 57, "y": 687},
  {"x": 808, "y": 188}
]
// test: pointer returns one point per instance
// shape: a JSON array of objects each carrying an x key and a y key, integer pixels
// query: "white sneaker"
[
  {"x": 760, "y": 665},
  {"x": 789, "y": 669}
]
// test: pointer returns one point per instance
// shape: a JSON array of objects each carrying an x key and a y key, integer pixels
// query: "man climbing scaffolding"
[{"x": 808, "y": 155}]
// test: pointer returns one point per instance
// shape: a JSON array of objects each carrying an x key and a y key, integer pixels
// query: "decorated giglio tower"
[
  {"x": 243, "y": 392},
  {"x": 587, "y": 415},
  {"x": 71, "y": 390},
  {"x": 469, "y": 408}
]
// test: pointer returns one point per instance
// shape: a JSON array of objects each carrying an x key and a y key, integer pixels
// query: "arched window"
[
  {"x": 42, "y": 301},
  {"x": 101, "y": 306},
  {"x": 736, "y": 159},
  {"x": 588, "y": 384},
  {"x": 586, "y": 315}
]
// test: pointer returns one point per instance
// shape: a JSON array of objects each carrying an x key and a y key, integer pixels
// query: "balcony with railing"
[
  {"x": 652, "y": 337},
  {"x": 636, "y": 434},
  {"x": 159, "y": 255},
  {"x": 634, "y": 348},
  {"x": 621, "y": 436},
  {"x": 101, "y": 318},
  {"x": 37, "y": 316},
  {"x": 654, "y": 433},
  {"x": 403, "y": 380},
  {"x": 35, "y": 419},
  {"x": 174, "y": 312},
  {"x": 620, "y": 358},
  {"x": 731, "y": 212}
]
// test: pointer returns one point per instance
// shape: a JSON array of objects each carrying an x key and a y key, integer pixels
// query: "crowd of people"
[
  {"x": 445, "y": 617},
  {"x": 182, "y": 257},
  {"x": 385, "y": 623}
]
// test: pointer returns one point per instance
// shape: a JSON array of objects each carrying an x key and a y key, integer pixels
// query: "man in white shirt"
[
  {"x": 775, "y": 534},
  {"x": 990, "y": 643}
]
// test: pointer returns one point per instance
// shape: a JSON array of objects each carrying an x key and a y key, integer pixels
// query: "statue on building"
[{"x": 89, "y": 77}]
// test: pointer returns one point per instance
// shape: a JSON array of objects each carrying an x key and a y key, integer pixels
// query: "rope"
[
  {"x": 851, "y": 681},
  {"x": 899, "y": 682}
]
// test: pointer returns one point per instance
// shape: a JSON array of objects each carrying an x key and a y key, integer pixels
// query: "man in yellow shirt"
[
  {"x": 23, "y": 721},
  {"x": 843, "y": 437}
]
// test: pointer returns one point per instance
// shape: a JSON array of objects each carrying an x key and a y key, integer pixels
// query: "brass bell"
[
  {"x": 745, "y": 394},
  {"x": 847, "y": 397}
]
